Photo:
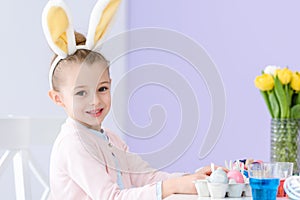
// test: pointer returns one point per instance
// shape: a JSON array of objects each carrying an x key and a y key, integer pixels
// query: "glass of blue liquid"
[
  {"x": 264, "y": 188},
  {"x": 264, "y": 180}
]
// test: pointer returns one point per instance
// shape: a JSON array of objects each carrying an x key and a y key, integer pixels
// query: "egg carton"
[{"x": 222, "y": 190}]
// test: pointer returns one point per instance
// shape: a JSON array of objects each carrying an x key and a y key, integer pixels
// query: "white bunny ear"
[
  {"x": 57, "y": 26},
  {"x": 100, "y": 19}
]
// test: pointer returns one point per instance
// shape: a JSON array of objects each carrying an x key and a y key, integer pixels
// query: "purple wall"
[{"x": 241, "y": 37}]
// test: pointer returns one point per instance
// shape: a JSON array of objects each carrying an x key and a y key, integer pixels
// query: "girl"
[{"x": 87, "y": 160}]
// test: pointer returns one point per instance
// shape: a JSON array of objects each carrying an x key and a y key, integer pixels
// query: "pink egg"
[{"x": 236, "y": 175}]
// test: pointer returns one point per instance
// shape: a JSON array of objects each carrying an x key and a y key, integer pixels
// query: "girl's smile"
[{"x": 96, "y": 112}]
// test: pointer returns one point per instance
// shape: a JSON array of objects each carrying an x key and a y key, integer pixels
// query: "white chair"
[{"x": 16, "y": 136}]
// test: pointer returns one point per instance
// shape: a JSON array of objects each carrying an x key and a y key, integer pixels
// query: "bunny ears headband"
[{"x": 59, "y": 32}]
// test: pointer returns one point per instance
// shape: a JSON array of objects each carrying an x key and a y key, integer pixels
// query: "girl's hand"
[
  {"x": 180, "y": 185},
  {"x": 204, "y": 171},
  {"x": 207, "y": 170},
  {"x": 184, "y": 184}
]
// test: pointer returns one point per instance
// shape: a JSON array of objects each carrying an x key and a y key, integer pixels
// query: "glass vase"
[{"x": 284, "y": 141}]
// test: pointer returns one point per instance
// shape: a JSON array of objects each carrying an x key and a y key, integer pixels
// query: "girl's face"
[{"x": 85, "y": 93}]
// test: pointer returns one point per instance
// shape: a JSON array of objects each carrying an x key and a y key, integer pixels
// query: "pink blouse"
[{"x": 83, "y": 166}]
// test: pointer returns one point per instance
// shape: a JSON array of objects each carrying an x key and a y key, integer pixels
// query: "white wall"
[{"x": 25, "y": 57}]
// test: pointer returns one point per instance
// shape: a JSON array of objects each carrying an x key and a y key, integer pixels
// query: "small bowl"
[
  {"x": 235, "y": 189},
  {"x": 202, "y": 188},
  {"x": 217, "y": 190}
]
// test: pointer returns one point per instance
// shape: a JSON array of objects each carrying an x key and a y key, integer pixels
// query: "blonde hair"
[{"x": 80, "y": 56}]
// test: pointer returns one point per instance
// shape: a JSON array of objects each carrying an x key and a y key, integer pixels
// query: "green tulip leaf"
[
  {"x": 295, "y": 111},
  {"x": 298, "y": 98},
  {"x": 288, "y": 93},
  {"x": 281, "y": 97},
  {"x": 267, "y": 101},
  {"x": 274, "y": 105}
]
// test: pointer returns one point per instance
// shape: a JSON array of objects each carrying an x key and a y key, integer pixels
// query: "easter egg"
[
  {"x": 236, "y": 175},
  {"x": 218, "y": 176}
]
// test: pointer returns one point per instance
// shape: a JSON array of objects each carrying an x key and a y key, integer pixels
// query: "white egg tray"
[{"x": 222, "y": 190}]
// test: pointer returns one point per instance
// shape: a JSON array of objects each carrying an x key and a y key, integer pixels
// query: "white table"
[{"x": 195, "y": 197}]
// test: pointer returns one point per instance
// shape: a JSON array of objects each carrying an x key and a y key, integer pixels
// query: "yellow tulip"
[
  {"x": 284, "y": 75},
  {"x": 295, "y": 83},
  {"x": 264, "y": 82}
]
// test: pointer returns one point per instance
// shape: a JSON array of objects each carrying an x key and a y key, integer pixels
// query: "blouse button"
[{"x": 110, "y": 145}]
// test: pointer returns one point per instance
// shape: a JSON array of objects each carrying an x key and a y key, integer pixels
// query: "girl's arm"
[
  {"x": 141, "y": 173},
  {"x": 176, "y": 183},
  {"x": 184, "y": 184},
  {"x": 81, "y": 176}
]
